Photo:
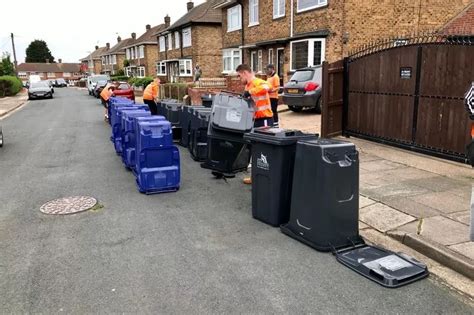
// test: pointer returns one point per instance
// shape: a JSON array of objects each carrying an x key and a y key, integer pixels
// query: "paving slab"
[
  {"x": 363, "y": 226},
  {"x": 366, "y": 157},
  {"x": 465, "y": 249},
  {"x": 407, "y": 173},
  {"x": 383, "y": 218},
  {"x": 439, "y": 229},
  {"x": 463, "y": 216},
  {"x": 440, "y": 183},
  {"x": 399, "y": 189},
  {"x": 464, "y": 191},
  {"x": 410, "y": 207},
  {"x": 443, "y": 201},
  {"x": 380, "y": 165},
  {"x": 364, "y": 201}
]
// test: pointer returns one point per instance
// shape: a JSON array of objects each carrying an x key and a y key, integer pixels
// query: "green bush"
[
  {"x": 140, "y": 81},
  {"x": 10, "y": 85},
  {"x": 119, "y": 78}
]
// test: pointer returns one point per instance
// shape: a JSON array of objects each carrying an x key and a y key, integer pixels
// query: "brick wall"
[
  {"x": 207, "y": 49},
  {"x": 151, "y": 56},
  {"x": 120, "y": 60},
  {"x": 463, "y": 23},
  {"x": 229, "y": 39},
  {"x": 97, "y": 66}
]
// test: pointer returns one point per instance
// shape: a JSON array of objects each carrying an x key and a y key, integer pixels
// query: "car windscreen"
[
  {"x": 39, "y": 84},
  {"x": 102, "y": 83},
  {"x": 99, "y": 78},
  {"x": 302, "y": 75},
  {"x": 123, "y": 86}
]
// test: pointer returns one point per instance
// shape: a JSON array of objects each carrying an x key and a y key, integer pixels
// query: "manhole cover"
[{"x": 68, "y": 205}]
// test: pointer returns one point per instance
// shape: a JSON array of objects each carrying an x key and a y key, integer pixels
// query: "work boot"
[{"x": 247, "y": 180}]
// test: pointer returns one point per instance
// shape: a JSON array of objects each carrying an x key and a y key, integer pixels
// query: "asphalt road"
[{"x": 194, "y": 251}]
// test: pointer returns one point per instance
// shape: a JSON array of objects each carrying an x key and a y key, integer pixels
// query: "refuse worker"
[
  {"x": 274, "y": 81},
  {"x": 104, "y": 97},
  {"x": 469, "y": 102},
  {"x": 256, "y": 89},
  {"x": 150, "y": 94}
]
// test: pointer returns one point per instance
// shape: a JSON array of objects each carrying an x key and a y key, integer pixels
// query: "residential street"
[{"x": 195, "y": 251}]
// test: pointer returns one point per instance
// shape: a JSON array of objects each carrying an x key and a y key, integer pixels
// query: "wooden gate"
[{"x": 408, "y": 94}]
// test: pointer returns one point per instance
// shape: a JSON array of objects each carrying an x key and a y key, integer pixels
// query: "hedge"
[
  {"x": 140, "y": 81},
  {"x": 10, "y": 85},
  {"x": 119, "y": 78}
]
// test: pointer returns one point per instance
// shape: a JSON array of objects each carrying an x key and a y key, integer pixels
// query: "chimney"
[
  {"x": 119, "y": 39},
  {"x": 190, "y": 5},
  {"x": 108, "y": 46},
  {"x": 60, "y": 60},
  {"x": 148, "y": 26},
  {"x": 96, "y": 47},
  {"x": 47, "y": 60},
  {"x": 134, "y": 35},
  {"x": 167, "y": 20}
]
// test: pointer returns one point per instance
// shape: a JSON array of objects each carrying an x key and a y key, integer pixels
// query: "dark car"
[
  {"x": 98, "y": 88},
  {"x": 60, "y": 83},
  {"x": 304, "y": 90},
  {"x": 39, "y": 89}
]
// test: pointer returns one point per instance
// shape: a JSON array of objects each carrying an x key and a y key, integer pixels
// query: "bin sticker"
[
  {"x": 262, "y": 162},
  {"x": 233, "y": 116},
  {"x": 391, "y": 262}
]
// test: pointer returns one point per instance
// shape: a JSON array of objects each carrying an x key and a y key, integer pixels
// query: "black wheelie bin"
[
  {"x": 198, "y": 134},
  {"x": 273, "y": 155},
  {"x": 185, "y": 122}
]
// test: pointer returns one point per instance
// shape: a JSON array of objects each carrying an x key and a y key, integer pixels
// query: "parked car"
[
  {"x": 99, "y": 87},
  {"x": 123, "y": 89},
  {"x": 60, "y": 82},
  {"x": 93, "y": 79},
  {"x": 39, "y": 89},
  {"x": 304, "y": 90},
  {"x": 51, "y": 85}
]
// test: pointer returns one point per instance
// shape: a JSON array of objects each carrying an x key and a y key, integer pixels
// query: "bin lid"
[
  {"x": 385, "y": 267},
  {"x": 278, "y": 136}
]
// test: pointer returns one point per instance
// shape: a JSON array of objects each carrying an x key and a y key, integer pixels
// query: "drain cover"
[{"x": 68, "y": 205}]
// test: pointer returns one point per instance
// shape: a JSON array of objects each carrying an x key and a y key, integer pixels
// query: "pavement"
[
  {"x": 421, "y": 201},
  {"x": 10, "y": 103},
  {"x": 195, "y": 251}
]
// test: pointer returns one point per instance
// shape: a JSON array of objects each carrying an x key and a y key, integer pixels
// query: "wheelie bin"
[
  {"x": 198, "y": 134},
  {"x": 185, "y": 122}
]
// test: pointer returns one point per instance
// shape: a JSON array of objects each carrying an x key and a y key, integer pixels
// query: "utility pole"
[{"x": 14, "y": 55}]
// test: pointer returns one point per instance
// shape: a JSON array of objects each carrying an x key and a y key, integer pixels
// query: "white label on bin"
[
  {"x": 262, "y": 162},
  {"x": 233, "y": 116},
  {"x": 391, "y": 262}
]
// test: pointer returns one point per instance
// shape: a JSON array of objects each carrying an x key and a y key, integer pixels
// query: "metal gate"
[{"x": 406, "y": 93}]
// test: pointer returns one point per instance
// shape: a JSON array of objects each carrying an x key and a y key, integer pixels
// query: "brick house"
[
  {"x": 194, "y": 39},
  {"x": 50, "y": 71},
  {"x": 93, "y": 62},
  {"x": 112, "y": 59},
  {"x": 462, "y": 23},
  {"x": 259, "y": 32},
  {"x": 143, "y": 53}
]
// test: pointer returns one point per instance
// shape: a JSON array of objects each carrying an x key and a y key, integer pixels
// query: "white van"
[
  {"x": 33, "y": 78},
  {"x": 93, "y": 79}
]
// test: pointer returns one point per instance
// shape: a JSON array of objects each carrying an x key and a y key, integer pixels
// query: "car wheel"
[
  {"x": 319, "y": 106},
  {"x": 295, "y": 109}
]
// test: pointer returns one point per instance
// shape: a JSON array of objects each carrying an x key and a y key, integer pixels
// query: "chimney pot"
[
  {"x": 167, "y": 20},
  {"x": 119, "y": 39},
  {"x": 96, "y": 47},
  {"x": 60, "y": 60},
  {"x": 108, "y": 46},
  {"x": 190, "y": 5},
  {"x": 134, "y": 35},
  {"x": 148, "y": 27}
]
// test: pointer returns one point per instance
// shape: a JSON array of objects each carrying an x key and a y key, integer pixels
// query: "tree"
[
  {"x": 38, "y": 51},
  {"x": 6, "y": 66}
]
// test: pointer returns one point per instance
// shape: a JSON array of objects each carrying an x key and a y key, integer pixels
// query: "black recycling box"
[{"x": 273, "y": 154}]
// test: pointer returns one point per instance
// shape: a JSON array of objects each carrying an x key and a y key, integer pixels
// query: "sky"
[{"x": 73, "y": 28}]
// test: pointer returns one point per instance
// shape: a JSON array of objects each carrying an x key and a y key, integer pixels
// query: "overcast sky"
[{"x": 72, "y": 28}]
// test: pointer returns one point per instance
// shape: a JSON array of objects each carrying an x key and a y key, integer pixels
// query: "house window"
[
  {"x": 114, "y": 59},
  {"x": 170, "y": 42},
  {"x": 162, "y": 43},
  {"x": 253, "y": 12},
  {"x": 127, "y": 53},
  {"x": 103, "y": 60},
  {"x": 51, "y": 75},
  {"x": 185, "y": 67},
  {"x": 128, "y": 71},
  {"x": 309, "y": 52},
  {"x": 140, "y": 72},
  {"x": 278, "y": 8},
  {"x": 187, "y": 37},
  {"x": 270, "y": 56},
  {"x": 260, "y": 61},
  {"x": 22, "y": 74},
  {"x": 161, "y": 68},
  {"x": 231, "y": 59},
  {"x": 234, "y": 21},
  {"x": 176, "y": 40},
  {"x": 141, "y": 51},
  {"x": 304, "y": 5},
  {"x": 66, "y": 74}
]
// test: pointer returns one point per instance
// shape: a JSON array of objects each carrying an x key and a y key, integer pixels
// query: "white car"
[{"x": 92, "y": 81}]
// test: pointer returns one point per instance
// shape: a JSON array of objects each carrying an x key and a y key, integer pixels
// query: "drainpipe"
[
  {"x": 242, "y": 30},
  {"x": 292, "y": 18}
]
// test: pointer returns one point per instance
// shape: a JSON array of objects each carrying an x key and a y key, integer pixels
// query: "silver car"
[
  {"x": 304, "y": 90},
  {"x": 39, "y": 89}
]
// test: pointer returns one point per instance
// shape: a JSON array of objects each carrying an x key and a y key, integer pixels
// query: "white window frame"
[
  {"x": 310, "y": 51},
  {"x": 253, "y": 60},
  {"x": 177, "y": 43},
  {"x": 22, "y": 74},
  {"x": 128, "y": 71},
  {"x": 141, "y": 51},
  {"x": 159, "y": 67},
  {"x": 253, "y": 13},
  {"x": 260, "y": 61},
  {"x": 237, "y": 10},
  {"x": 140, "y": 72},
  {"x": 66, "y": 74},
  {"x": 162, "y": 43},
  {"x": 271, "y": 57},
  {"x": 127, "y": 53},
  {"x": 278, "y": 10},
  {"x": 230, "y": 53},
  {"x": 169, "y": 38},
  {"x": 114, "y": 59},
  {"x": 187, "y": 37},
  {"x": 188, "y": 65},
  {"x": 103, "y": 60},
  {"x": 51, "y": 75},
  {"x": 319, "y": 3}
]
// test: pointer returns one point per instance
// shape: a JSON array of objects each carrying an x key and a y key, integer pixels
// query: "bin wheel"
[{"x": 295, "y": 109}]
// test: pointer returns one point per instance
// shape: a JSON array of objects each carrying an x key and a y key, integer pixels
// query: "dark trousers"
[
  {"x": 263, "y": 122},
  {"x": 152, "y": 106},
  {"x": 274, "y": 102}
]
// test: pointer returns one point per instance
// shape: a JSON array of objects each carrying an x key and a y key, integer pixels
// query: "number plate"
[{"x": 293, "y": 91}]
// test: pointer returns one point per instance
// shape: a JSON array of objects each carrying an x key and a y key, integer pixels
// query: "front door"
[{"x": 280, "y": 63}]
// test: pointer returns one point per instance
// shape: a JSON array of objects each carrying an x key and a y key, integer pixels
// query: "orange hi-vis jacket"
[
  {"x": 274, "y": 82},
  {"x": 151, "y": 91},
  {"x": 106, "y": 94},
  {"x": 258, "y": 89}
]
